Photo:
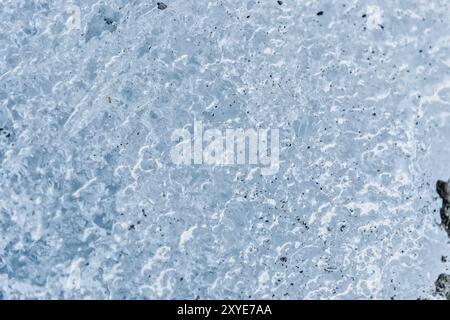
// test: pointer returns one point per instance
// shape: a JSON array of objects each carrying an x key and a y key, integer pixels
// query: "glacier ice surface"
[{"x": 92, "y": 207}]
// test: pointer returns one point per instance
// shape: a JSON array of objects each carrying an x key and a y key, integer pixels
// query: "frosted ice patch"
[{"x": 374, "y": 17}]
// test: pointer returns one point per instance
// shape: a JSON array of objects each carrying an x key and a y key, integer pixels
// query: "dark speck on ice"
[
  {"x": 162, "y": 5},
  {"x": 108, "y": 21},
  {"x": 320, "y": 13}
]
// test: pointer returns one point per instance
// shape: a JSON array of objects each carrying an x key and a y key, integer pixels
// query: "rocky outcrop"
[
  {"x": 443, "y": 285},
  {"x": 443, "y": 189}
]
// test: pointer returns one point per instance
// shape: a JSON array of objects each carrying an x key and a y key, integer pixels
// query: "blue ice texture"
[{"x": 92, "y": 207}]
